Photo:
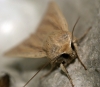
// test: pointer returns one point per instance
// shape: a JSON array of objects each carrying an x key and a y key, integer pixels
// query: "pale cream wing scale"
[{"x": 33, "y": 46}]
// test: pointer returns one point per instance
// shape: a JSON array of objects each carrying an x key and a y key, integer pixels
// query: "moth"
[
  {"x": 52, "y": 40},
  {"x": 4, "y": 80}
]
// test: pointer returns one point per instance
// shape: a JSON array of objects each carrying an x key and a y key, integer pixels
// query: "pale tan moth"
[{"x": 52, "y": 40}]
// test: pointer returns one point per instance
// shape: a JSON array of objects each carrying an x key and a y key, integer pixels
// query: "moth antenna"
[
  {"x": 37, "y": 72},
  {"x": 74, "y": 27}
]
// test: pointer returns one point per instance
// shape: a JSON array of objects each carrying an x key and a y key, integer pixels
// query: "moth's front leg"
[
  {"x": 76, "y": 49},
  {"x": 66, "y": 72}
]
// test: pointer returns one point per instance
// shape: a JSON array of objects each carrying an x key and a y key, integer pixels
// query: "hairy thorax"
[{"x": 58, "y": 43}]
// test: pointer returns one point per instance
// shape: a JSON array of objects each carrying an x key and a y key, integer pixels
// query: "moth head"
[{"x": 59, "y": 42}]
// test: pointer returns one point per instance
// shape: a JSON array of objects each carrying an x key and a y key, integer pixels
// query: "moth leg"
[
  {"x": 51, "y": 69},
  {"x": 81, "y": 63},
  {"x": 79, "y": 57},
  {"x": 66, "y": 72},
  {"x": 83, "y": 36}
]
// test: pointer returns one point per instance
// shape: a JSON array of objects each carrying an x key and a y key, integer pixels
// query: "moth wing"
[
  {"x": 54, "y": 19},
  {"x": 26, "y": 52},
  {"x": 33, "y": 46}
]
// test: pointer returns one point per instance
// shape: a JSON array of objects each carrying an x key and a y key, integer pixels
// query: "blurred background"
[{"x": 20, "y": 18}]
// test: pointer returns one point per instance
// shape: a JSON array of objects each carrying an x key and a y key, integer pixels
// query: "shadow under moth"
[{"x": 52, "y": 40}]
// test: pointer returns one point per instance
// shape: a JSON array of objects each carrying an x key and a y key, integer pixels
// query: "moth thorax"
[{"x": 57, "y": 43}]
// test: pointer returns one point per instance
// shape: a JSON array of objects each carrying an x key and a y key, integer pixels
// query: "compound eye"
[
  {"x": 72, "y": 46},
  {"x": 65, "y": 55}
]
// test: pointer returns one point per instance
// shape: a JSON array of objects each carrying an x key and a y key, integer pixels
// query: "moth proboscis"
[{"x": 52, "y": 40}]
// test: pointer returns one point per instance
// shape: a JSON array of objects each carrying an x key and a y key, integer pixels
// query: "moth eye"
[
  {"x": 72, "y": 46},
  {"x": 65, "y": 55}
]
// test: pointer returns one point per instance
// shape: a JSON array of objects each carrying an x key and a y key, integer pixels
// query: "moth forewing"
[
  {"x": 33, "y": 46},
  {"x": 52, "y": 40}
]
